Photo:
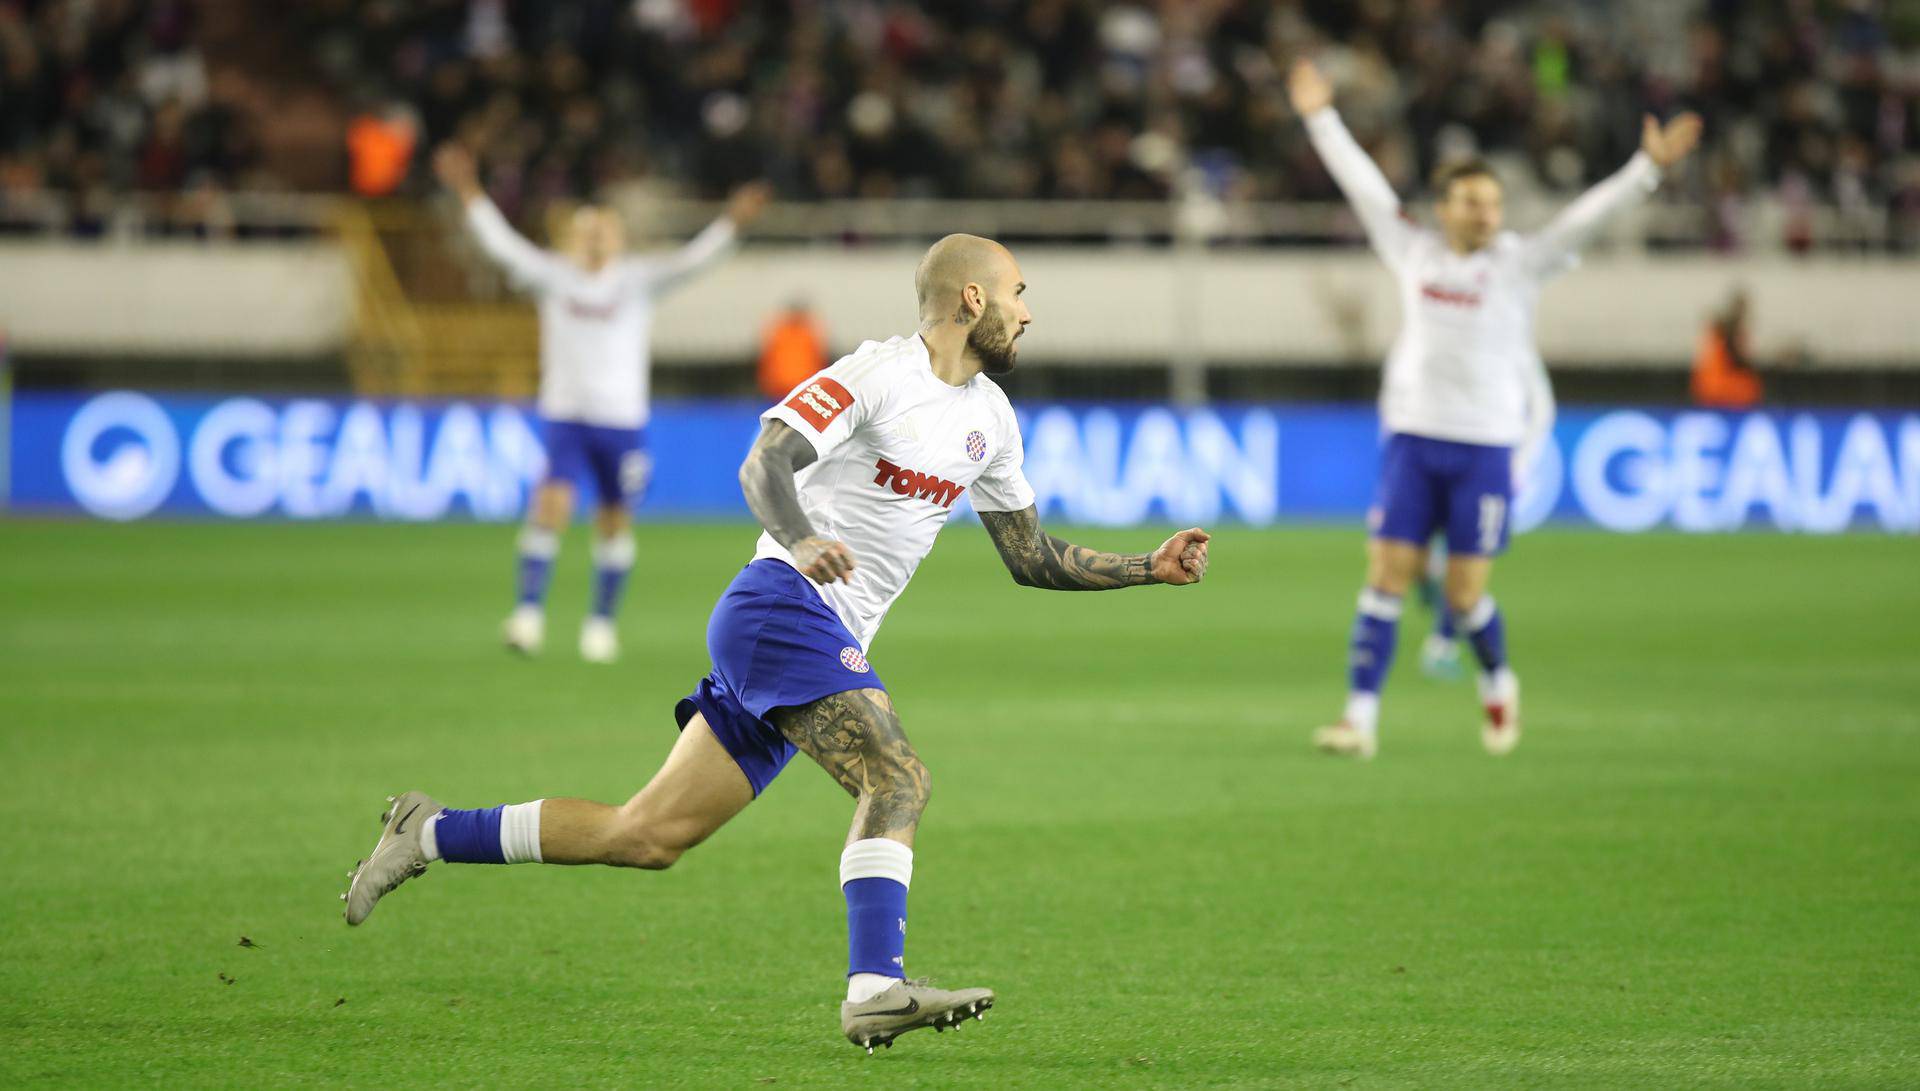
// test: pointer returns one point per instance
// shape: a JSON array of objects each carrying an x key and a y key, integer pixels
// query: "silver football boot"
[
  {"x": 910, "y": 1005},
  {"x": 395, "y": 858}
]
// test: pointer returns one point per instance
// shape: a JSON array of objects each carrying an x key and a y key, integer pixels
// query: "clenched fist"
[{"x": 1182, "y": 558}]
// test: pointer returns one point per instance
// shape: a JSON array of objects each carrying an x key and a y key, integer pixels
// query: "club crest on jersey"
[
  {"x": 976, "y": 445},
  {"x": 851, "y": 659},
  {"x": 820, "y": 401},
  {"x": 926, "y": 486}
]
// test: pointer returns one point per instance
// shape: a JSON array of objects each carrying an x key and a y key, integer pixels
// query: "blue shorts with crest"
[{"x": 775, "y": 643}]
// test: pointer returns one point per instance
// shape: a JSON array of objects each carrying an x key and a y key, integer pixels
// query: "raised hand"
[
  {"x": 1182, "y": 558},
  {"x": 453, "y": 165},
  {"x": 746, "y": 204},
  {"x": 1670, "y": 144},
  {"x": 823, "y": 560},
  {"x": 1308, "y": 88}
]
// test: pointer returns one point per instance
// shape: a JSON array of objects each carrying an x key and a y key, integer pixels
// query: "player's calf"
[
  {"x": 1499, "y": 688},
  {"x": 856, "y": 736},
  {"x": 637, "y": 837}
]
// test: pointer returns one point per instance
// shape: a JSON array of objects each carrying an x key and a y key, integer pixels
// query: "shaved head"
[
  {"x": 950, "y": 265},
  {"x": 967, "y": 283}
]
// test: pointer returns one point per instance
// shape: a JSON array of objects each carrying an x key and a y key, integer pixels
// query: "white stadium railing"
[{"x": 1760, "y": 226}]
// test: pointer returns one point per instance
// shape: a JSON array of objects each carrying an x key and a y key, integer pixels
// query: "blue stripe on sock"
[
  {"x": 470, "y": 837},
  {"x": 876, "y": 926}
]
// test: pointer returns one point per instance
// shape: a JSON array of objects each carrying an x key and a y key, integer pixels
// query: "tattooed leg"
[{"x": 856, "y": 737}]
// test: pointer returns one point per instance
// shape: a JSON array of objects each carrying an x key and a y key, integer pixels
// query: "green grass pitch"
[{"x": 1702, "y": 867}]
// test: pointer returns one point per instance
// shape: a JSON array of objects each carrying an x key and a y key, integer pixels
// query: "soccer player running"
[
  {"x": 596, "y": 313},
  {"x": 852, "y": 477},
  {"x": 1464, "y": 386}
]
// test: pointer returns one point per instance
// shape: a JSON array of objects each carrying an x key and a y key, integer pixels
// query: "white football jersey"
[
  {"x": 1465, "y": 367},
  {"x": 595, "y": 328},
  {"x": 898, "y": 447}
]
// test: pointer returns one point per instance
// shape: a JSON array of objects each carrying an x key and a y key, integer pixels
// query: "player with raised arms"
[
  {"x": 1465, "y": 395},
  {"x": 596, "y": 314},
  {"x": 852, "y": 477}
]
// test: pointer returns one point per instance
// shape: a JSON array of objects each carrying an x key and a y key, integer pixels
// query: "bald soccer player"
[{"x": 853, "y": 475}]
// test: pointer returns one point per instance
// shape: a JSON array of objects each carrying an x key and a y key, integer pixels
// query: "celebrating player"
[
  {"x": 1464, "y": 387},
  {"x": 596, "y": 309},
  {"x": 853, "y": 476}
]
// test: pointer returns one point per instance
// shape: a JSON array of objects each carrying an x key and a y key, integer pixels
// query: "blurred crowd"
[
  {"x": 100, "y": 98},
  {"x": 1813, "y": 102}
]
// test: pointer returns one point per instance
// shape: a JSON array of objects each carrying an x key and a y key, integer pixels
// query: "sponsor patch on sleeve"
[{"x": 820, "y": 401}]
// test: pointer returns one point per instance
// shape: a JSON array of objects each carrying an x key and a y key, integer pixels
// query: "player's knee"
[
  {"x": 652, "y": 856},
  {"x": 1462, "y": 600},
  {"x": 910, "y": 784},
  {"x": 552, "y": 506},
  {"x": 1392, "y": 566},
  {"x": 650, "y": 845},
  {"x": 1463, "y": 592}
]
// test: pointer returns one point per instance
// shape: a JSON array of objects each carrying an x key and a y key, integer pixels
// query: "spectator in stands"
[
  {"x": 792, "y": 348},
  {"x": 380, "y": 147},
  {"x": 1723, "y": 373},
  {"x": 1087, "y": 99}
]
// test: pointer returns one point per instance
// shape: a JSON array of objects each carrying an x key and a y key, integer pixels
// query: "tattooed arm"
[
  {"x": 1038, "y": 559},
  {"x": 766, "y": 477}
]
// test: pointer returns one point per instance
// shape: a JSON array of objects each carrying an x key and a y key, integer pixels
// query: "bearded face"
[{"x": 991, "y": 341}]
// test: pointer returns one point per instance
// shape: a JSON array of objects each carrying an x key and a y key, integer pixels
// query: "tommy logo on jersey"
[
  {"x": 914, "y": 483},
  {"x": 820, "y": 401},
  {"x": 593, "y": 312},
  {"x": 1456, "y": 297},
  {"x": 976, "y": 445},
  {"x": 1450, "y": 296}
]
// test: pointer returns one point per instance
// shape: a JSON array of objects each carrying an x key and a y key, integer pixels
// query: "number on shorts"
[
  {"x": 1493, "y": 515},
  {"x": 635, "y": 469}
]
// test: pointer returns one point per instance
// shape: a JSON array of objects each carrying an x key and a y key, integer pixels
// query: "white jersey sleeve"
[
  {"x": 526, "y": 264},
  {"x": 1555, "y": 249},
  {"x": 1366, "y": 189},
  {"x": 831, "y": 405},
  {"x": 1004, "y": 487},
  {"x": 658, "y": 275}
]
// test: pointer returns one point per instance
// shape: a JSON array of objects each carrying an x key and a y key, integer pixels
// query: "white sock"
[
  {"x": 1363, "y": 711},
  {"x": 430, "y": 839},
  {"x": 1476, "y": 619},
  {"x": 863, "y": 987},
  {"x": 520, "y": 832},
  {"x": 615, "y": 552},
  {"x": 1497, "y": 686},
  {"x": 536, "y": 542}
]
